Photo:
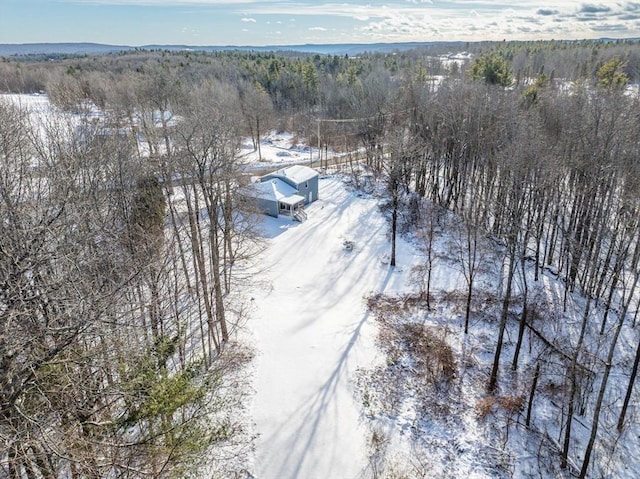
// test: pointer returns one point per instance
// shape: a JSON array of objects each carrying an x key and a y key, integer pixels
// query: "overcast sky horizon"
[{"x": 284, "y": 22}]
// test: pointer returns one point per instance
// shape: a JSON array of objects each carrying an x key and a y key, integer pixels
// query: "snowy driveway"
[{"x": 312, "y": 332}]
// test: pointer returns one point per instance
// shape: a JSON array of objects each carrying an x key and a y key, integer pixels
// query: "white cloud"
[
  {"x": 317, "y": 29},
  {"x": 424, "y": 20}
]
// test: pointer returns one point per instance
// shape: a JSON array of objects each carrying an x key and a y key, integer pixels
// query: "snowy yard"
[
  {"x": 318, "y": 353},
  {"x": 278, "y": 150},
  {"x": 313, "y": 332}
]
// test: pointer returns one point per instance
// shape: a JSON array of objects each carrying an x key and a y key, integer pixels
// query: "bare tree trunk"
[
  {"x": 573, "y": 385},
  {"x": 470, "y": 270},
  {"x": 258, "y": 138},
  {"x": 630, "y": 384},
  {"x": 493, "y": 378},
  {"x": 532, "y": 393},
  {"x": 525, "y": 297},
  {"x": 467, "y": 314},
  {"x": 198, "y": 255},
  {"x": 217, "y": 283},
  {"x": 394, "y": 227},
  {"x": 430, "y": 255}
]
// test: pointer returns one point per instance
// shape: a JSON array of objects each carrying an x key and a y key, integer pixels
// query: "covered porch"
[{"x": 290, "y": 205}]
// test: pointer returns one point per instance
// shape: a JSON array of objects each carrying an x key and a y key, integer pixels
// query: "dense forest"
[{"x": 125, "y": 234}]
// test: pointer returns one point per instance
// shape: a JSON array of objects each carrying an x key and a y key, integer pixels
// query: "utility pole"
[{"x": 319, "y": 150}]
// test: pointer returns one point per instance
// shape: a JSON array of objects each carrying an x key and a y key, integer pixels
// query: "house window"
[{"x": 306, "y": 185}]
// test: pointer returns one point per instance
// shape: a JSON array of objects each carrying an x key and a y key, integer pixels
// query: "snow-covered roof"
[
  {"x": 297, "y": 173},
  {"x": 292, "y": 200},
  {"x": 276, "y": 190}
]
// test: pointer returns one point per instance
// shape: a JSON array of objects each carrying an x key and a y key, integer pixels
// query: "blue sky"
[{"x": 271, "y": 22}]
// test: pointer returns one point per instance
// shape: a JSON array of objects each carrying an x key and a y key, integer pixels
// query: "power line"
[{"x": 353, "y": 120}]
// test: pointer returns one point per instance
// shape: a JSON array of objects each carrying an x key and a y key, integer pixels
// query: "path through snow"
[{"x": 312, "y": 332}]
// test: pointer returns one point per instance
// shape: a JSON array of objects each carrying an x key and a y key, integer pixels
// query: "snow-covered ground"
[
  {"x": 278, "y": 150},
  {"x": 313, "y": 332},
  {"x": 47, "y": 119}
]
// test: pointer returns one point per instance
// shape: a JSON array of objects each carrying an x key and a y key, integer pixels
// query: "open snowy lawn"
[
  {"x": 277, "y": 150},
  {"x": 312, "y": 332}
]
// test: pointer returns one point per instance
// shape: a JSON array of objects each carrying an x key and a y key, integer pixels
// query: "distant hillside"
[
  {"x": 325, "y": 49},
  {"x": 8, "y": 49},
  {"x": 351, "y": 49}
]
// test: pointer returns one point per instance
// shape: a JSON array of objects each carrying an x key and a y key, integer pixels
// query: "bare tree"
[
  {"x": 398, "y": 174},
  {"x": 257, "y": 110},
  {"x": 207, "y": 144},
  {"x": 427, "y": 225},
  {"x": 516, "y": 205},
  {"x": 470, "y": 260}
]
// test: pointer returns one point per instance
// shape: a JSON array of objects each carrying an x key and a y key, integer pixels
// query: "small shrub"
[
  {"x": 485, "y": 407},
  {"x": 434, "y": 357},
  {"x": 512, "y": 404}
]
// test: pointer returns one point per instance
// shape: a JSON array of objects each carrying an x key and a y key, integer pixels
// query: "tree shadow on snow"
[{"x": 318, "y": 407}]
